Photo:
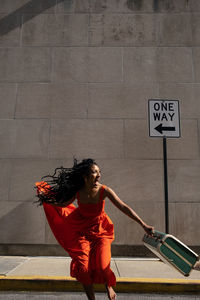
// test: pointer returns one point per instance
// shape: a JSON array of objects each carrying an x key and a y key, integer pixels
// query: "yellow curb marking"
[
  {"x": 119, "y": 279},
  {"x": 159, "y": 280},
  {"x": 128, "y": 285},
  {"x": 39, "y": 277}
]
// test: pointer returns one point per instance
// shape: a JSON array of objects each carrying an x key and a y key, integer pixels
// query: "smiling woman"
[{"x": 85, "y": 232}]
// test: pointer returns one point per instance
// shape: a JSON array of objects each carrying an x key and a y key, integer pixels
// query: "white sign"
[{"x": 164, "y": 119}]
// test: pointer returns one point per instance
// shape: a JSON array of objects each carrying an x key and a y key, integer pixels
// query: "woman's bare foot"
[{"x": 111, "y": 293}]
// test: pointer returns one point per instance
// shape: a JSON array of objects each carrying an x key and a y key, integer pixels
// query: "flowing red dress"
[{"x": 86, "y": 233}]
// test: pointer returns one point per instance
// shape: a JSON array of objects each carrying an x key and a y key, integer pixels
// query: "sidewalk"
[{"x": 22, "y": 273}]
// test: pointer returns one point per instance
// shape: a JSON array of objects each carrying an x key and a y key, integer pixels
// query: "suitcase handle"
[{"x": 158, "y": 238}]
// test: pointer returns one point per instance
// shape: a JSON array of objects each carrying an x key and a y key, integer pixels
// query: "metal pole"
[{"x": 166, "y": 185}]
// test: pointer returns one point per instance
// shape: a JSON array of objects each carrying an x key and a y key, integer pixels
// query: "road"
[{"x": 81, "y": 296}]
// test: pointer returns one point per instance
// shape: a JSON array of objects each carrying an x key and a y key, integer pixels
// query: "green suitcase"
[{"x": 171, "y": 251}]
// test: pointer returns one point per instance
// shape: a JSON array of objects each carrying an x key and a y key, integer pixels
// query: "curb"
[{"x": 124, "y": 285}]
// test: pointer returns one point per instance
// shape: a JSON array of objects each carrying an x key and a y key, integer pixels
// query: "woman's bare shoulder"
[{"x": 107, "y": 190}]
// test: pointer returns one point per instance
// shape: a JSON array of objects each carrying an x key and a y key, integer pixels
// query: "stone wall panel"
[
  {"x": 194, "y": 5},
  {"x": 175, "y": 64},
  {"x": 7, "y": 100},
  {"x": 196, "y": 60},
  {"x": 33, "y": 101},
  {"x": 87, "y": 65},
  {"x": 195, "y": 23},
  {"x": 31, "y": 171},
  {"x": 7, "y": 138},
  {"x": 86, "y": 138},
  {"x": 138, "y": 6},
  {"x": 138, "y": 144},
  {"x": 55, "y": 30},
  {"x": 105, "y": 64},
  {"x": 70, "y": 65},
  {"x": 25, "y": 64},
  {"x": 184, "y": 181},
  {"x": 140, "y": 65},
  {"x": 123, "y": 30},
  {"x": 165, "y": 64},
  {"x": 112, "y": 6},
  {"x": 52, "y": 101},
  {"x": 36, "y": 135},
  {"x": 187, "y": 94},
  {"x": 5, "y": 166},
  {"x": 184, "y": 218},
  {"x": 24, "y": 138},
  {"x": 175, "y": 30},
  {"x": 73, "y": 6},
  {"x": 120, "y": 100},
  {"x": 28, "y": 228},
  {"x": 187, "y": 146}
]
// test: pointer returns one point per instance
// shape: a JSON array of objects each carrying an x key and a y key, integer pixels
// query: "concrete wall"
[{"x": 75, "y": 78}]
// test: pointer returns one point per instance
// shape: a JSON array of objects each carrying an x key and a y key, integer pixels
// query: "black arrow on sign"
[{"x": 160, "y": 128}]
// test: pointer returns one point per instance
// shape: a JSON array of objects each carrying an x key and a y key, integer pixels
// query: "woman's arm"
[{"x": 127, "y": 210}]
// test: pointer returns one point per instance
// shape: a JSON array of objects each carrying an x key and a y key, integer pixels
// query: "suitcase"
[{"x": 171, "y": 251}]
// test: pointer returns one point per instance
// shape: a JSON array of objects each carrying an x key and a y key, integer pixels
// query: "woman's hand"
[{"x": 148, "y": 229}]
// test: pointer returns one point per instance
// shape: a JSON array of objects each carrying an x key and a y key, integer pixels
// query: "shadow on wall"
[
  {"x": 35, "y": 7},
  {"x": 32, "y": 8},
  {"x": 157, "y": 4},
  {"x": 167, "y": 4},
  {"x": 22, "y": 223},
  {"x": 132, "y": 4}
]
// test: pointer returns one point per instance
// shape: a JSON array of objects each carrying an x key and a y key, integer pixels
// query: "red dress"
[{"x": 86, "y": 233}]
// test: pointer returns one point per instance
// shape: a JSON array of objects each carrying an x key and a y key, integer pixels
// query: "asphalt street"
[{"x": 99, "y": 296}]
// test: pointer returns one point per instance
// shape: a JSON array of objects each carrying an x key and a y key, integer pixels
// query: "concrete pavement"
[{"x": 22, "y": 273}]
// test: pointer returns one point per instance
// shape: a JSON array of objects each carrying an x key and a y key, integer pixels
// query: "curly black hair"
[{"x": 65, "y": 182}]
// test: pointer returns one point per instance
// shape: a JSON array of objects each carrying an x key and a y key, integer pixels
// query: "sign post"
[
  {"x": 166, "y": 185},
  {"x": 164, "y": 122}
]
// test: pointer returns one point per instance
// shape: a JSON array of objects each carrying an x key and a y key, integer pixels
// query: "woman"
[{"x": 85, "y": 232}]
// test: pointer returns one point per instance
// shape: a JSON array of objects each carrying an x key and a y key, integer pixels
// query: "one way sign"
[{"x": 164, "y": 118}]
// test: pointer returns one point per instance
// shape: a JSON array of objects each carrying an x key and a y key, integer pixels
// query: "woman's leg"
[
  {"x": 80, "y": 266},
  {"x": 111, "y": 293},
  {"x": 103, "y": 258},
  {"x": 89, "y": 291}
]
